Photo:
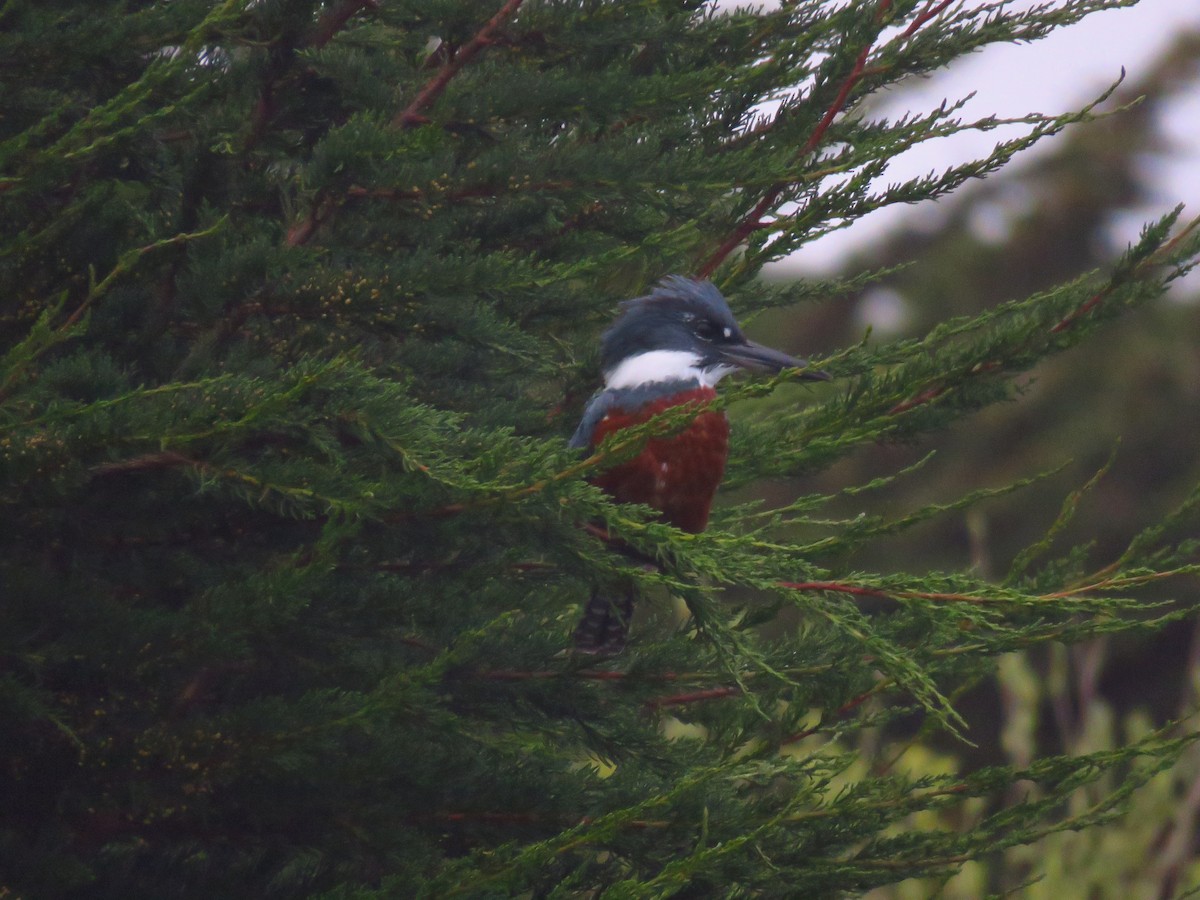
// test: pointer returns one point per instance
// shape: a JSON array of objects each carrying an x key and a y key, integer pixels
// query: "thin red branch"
[
  {"x": 932, "y": 8},
  {"x": 166, "y": 459},
  {"x": 1067, "y": 321},
  {"x": 918, "y": 400},
  {"x": 742, "y": 231},
  {"x": 694, "y": 697},
  {"x": 858, "y": 590},
  {"x": 302, "y": 231},
  {"x": 933, "y": 393},
  {"x": 754, "y": 220},
  {"x": 283, "y": 56},
  {"x": 412, "y": 114},
  {"x": 324, "y": 207},
  {"x": 836, "y": 587},
  {"x": 1105, "y": 579},
  {"x": 841, "y": 712},
  {"x": 839, "y": 102},
  {"x": 1079, "y": 312},
  {"x": 1153, "y": 259},
  {"x": 335, "y": 20}
]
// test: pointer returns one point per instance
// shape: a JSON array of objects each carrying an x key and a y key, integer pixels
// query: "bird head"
[{"x": 683, "y": 331}]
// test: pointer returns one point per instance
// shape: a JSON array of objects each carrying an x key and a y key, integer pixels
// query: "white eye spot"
[
  {"x": 728, "y": 332},
  {"x": 663, "y": 468}
]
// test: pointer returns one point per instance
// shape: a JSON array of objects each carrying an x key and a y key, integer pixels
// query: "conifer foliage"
[{"x": 298, "y": 303}]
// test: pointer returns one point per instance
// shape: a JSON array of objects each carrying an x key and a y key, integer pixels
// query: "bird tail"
[{"x": 604, "y": 627}]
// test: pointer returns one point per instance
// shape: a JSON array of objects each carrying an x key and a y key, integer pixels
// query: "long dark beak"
[{"x": 757, "y": 358}]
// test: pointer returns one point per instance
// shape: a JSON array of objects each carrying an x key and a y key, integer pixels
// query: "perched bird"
[{"x": 664, "y": 350}]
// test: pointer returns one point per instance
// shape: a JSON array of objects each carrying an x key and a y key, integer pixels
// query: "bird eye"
[{"x": 707, "y": 330}]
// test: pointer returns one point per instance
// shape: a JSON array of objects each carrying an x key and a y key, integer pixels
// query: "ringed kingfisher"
[{"x": 667, "y": 349}]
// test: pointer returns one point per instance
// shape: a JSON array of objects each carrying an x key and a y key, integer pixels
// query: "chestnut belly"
[{"x": 677, "y": 475}]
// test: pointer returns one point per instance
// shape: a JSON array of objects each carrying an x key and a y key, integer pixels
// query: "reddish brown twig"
[
  {"x": 836, "y": 587},
  {"x": 932, "y": 8},
  {"x": 840, "y": 713},
  {"x": 694, "y": 697},
  {"x": 1079, "y": 312},
  {"x": 918, "y": 400},
  {"x": 302, "y": 231},
  {"x": 324, "y": 206},
  {"x": 1107, "y": 578},
  {"x": 335, "y": 20},
  {"x": 933, "y": 393},
  {"x": 858, "y": 590},
  {"x": 754, "y": 220},
  {"x": 282, "y": 57},
  {"x": 1068, "y": 321},
  {"x": 167, "y": 459},
  {"x": 412, "y": 114}
]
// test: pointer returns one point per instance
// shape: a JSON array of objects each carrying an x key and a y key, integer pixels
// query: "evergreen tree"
[{"x": 300, "y": 301}]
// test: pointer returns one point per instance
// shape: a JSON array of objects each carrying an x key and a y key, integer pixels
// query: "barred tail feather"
[{"x": 604, "y": 626}]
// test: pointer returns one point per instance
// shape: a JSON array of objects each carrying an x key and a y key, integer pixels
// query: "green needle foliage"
[{"x": 298, "y": 303}]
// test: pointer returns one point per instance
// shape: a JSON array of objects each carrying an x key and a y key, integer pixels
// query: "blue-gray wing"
[
  {"x": 599, "y": 406},
  {"x": 624, "y": 399}
]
